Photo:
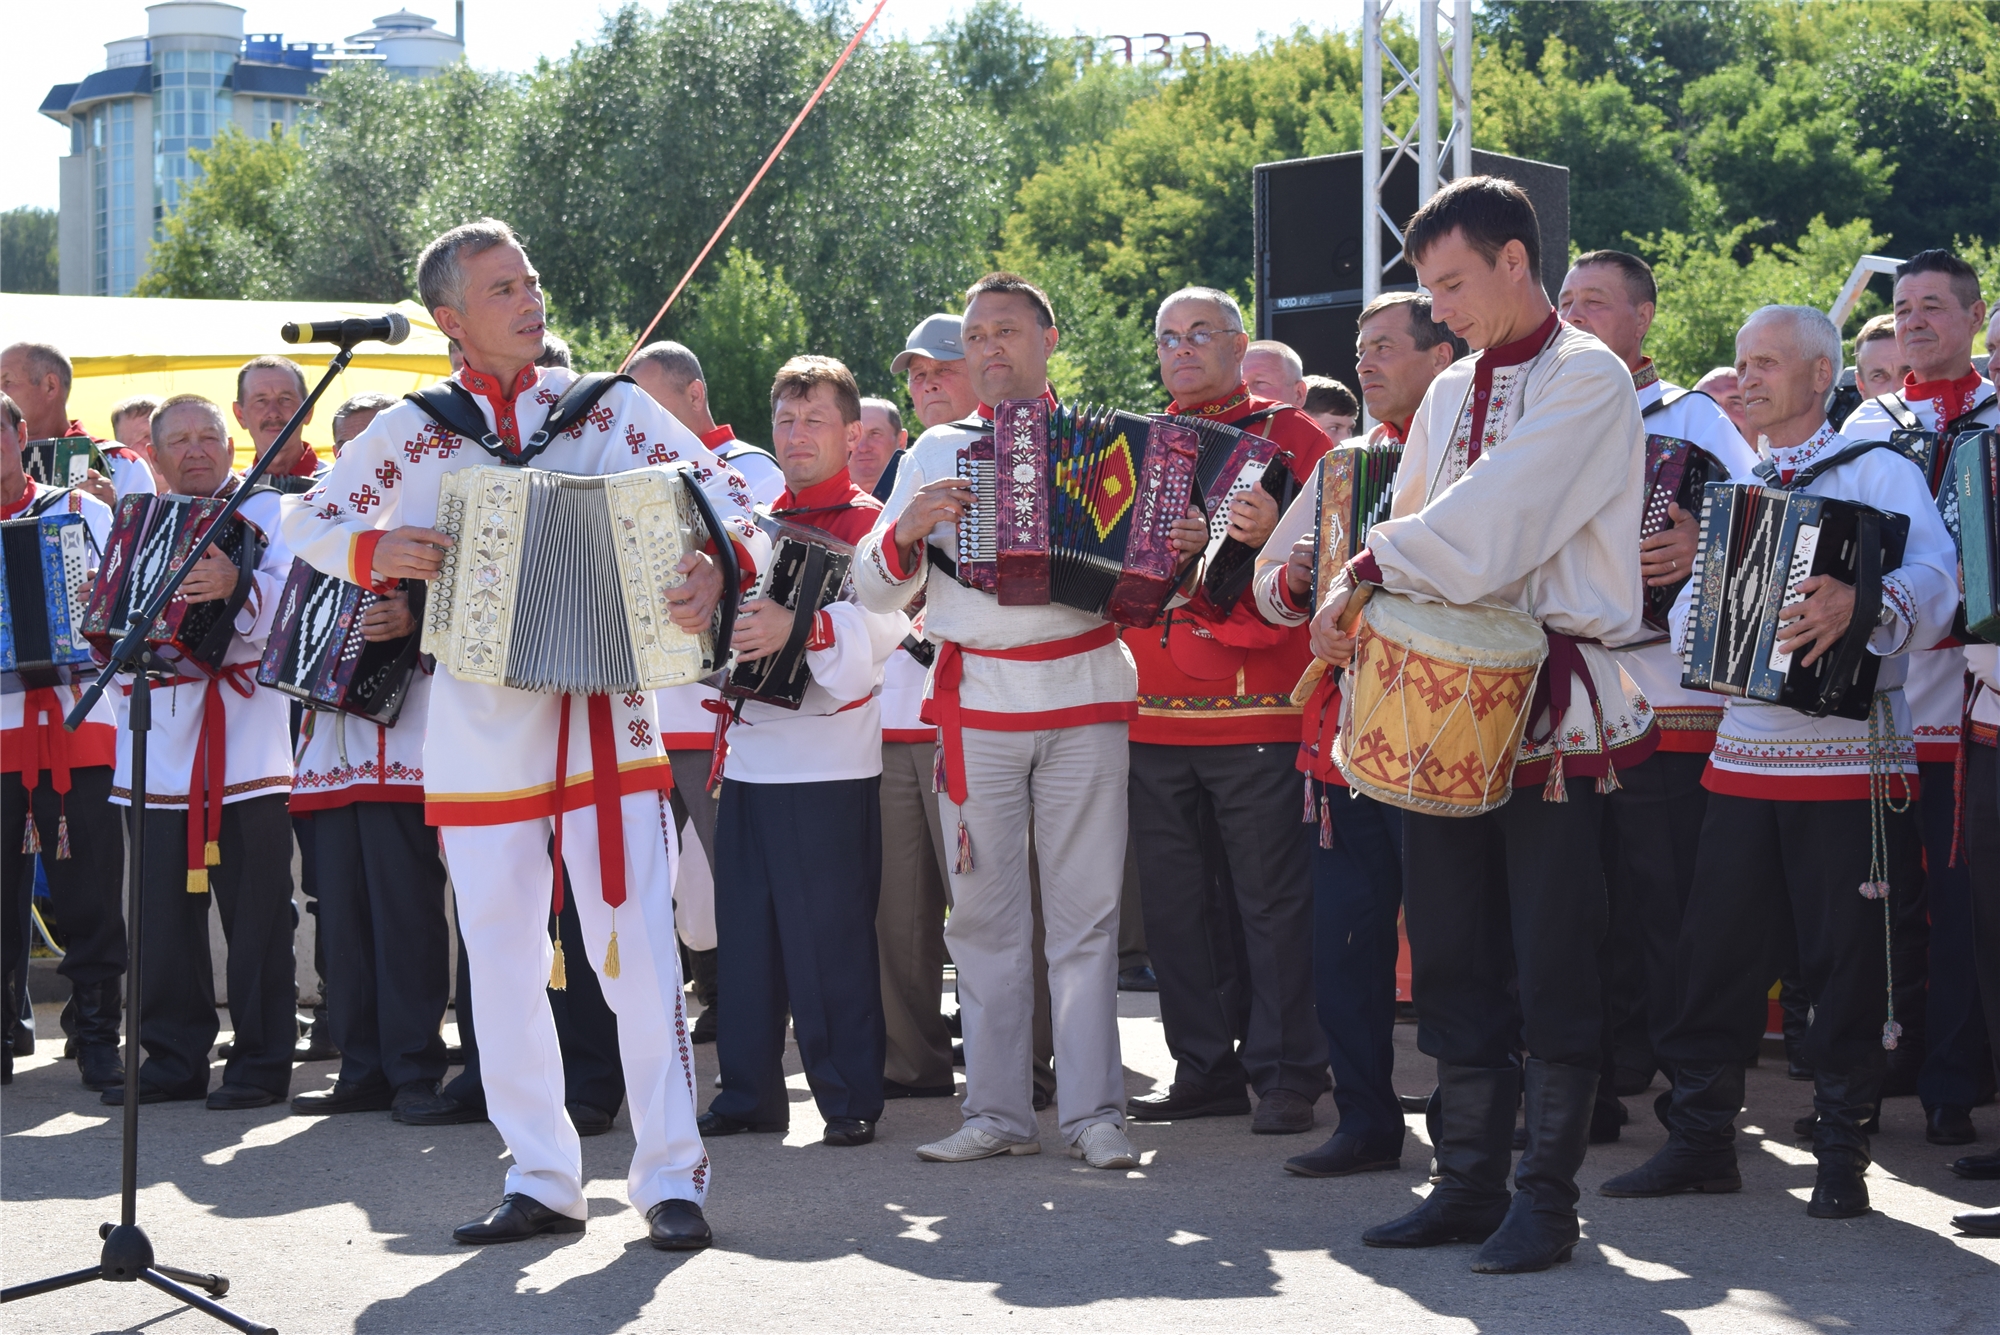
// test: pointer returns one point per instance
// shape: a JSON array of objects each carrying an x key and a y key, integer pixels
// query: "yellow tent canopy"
[{"x": 122, "y": 346}]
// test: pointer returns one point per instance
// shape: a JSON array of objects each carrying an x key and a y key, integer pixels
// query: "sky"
[{"x": 50, "y": 43}]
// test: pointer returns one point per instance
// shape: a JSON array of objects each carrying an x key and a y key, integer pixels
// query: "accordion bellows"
[{"x": 527, "y": 599}]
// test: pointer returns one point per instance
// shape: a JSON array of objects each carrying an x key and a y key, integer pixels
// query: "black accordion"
[
  {"x": 45, "y": 560},
  {"x": 1676, "y": 472},
  {"x": 150, "y": 537},
  {"x": 1757, "y": 545},
  {"x": 62, "y": 461},
  {"x": 317, "y": 653},
  {"x": 1975, "y": 489},
  {"x": 1076, "y": 506},
  {"x": 1232, "y": 461},
  {"x": 808, "y": 571},
  {"x": 1357, "y": 485}
]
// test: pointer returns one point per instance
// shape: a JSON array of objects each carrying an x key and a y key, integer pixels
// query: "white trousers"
[
  {"x": 1071, "y": 783},
  {"x": 503, "y": 877}
]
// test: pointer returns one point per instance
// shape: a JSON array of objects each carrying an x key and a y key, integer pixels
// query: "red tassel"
[
  {"x": 1307, "y": 819},
  {"x": 1555, "y": 790},
  {"x": 1325, "y": 825},
  {"x": 1608, "y": 783},
  {"x": 964, "y": 849},
  {"x": 937, "y": 768},
  {"x": 31, "y": 842},
  {"x": 62, "y": 837}
]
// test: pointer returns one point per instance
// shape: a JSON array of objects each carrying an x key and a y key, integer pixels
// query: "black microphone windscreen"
[{"x": 290, "y": 333}]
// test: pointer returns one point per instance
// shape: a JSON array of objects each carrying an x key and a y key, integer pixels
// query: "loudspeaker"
[{"x": 1308, "y": 244}]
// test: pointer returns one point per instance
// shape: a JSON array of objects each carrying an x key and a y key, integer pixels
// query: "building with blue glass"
[{"x": 168, "y": 94}]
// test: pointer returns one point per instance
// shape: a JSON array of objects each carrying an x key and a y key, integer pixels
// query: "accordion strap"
[
  {"x": 453, "y": 407},
  {"x": 1899, "y": 412},
  {"x": 1768, "y": 471}
]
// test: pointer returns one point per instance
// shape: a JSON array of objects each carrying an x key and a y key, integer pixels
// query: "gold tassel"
[
  {"x": 198, "y": 881},
  {"x": 611, "y": 956},
  {"x": 558, "y": 975},
  {"x": 211, "y": 853}
]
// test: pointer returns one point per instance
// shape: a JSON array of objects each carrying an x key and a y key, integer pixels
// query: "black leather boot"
[
  {"x": 1700, "y": 1153},
  {"x": 98, "y": 1008},
  {"x": 702, "y": 969},
  {"x": 1541, "y": 1226},
  {"x": 1475, "y": 1130},
  {"x": 1844, "y": 1104}
]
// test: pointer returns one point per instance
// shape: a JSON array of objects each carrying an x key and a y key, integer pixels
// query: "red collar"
[
  {"x": 505, "y": 422},
  {"x": 1647, "y": 374},
  {"x": 306, "y": 464},
  {"x": 1521, "y": 349},
  {"x": 27, "y": 499},
  {"x": 836, "y": 490},
  {"x": 1220, "y": 407},
  {"x": 76, "y": 428},
  {"x": 1399, "y": 431},
  {"x": 722, "y": 435},
  {"x": 986, "y": 409},
  {"x": 1954, "y": 397}
]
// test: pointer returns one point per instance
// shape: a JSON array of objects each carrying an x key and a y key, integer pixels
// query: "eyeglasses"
[{"x": 1200, "y": 338}]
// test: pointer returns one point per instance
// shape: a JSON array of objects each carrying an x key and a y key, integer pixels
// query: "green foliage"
[
  {"x": 1623, "y": 177},
  {"x": 1652, "y": 47},
  {"x": 1105, "y": 355},
  {"x": 600, "y": 345},
  {"x": 28, "y": 250},
  {"x": 747, "y": 322},
  {"x": 1705, "y": 292},
  {"x": 231, "y": 235}
]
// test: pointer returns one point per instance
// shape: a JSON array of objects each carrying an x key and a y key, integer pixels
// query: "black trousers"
[
  {"x": 1652, "y": 830},
  {"x": 1357, "y": 892},
  {"x": 1253, "y": 791},
  {"x": 798, "y": 874},
  {"x": 252, "y": 889},
  {"x": 586, "y": 1027},
  {"x": 1982, "y": 864},
  {"x": 1531, "y": 869},
  {"x": 1768, "y": 869},
  {"x": 1958, "y": 1061},
  {"x": 83, "y": 887},
  {"x": 381, "y": 915}
]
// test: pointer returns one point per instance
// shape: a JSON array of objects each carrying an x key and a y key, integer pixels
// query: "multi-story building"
[{"x": 161, "y": 97}]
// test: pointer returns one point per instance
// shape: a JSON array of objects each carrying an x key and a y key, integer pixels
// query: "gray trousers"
[
  {"x": 691, "y": 799},
  {"x": 909, "y": 920},
  {"x": 1070, "y": 783}
]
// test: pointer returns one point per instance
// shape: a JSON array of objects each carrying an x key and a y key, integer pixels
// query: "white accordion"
[{"x": 559, "y": 583}]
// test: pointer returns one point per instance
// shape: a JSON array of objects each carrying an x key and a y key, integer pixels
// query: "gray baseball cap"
[{"x": 936, "y": 338}]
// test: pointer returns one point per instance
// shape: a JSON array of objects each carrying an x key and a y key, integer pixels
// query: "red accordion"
[{"x": 150, "y": 538}]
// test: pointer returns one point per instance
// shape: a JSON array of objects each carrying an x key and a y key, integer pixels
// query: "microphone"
[{"x": 390, "y": 328}]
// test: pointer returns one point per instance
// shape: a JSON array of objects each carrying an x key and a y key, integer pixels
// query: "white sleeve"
[
  {"x": 1922, "y": 593},
  {"x": 330, "y": 527},
  {"x": 851, "y": 668},
  {"x": 876, "y": 584}
]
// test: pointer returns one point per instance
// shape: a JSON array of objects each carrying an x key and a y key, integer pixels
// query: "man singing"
[
  {"x": 491, "y": 767},
  {"x": 1520, "y": 486}
]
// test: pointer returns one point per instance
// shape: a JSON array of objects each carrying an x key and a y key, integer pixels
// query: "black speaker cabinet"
[{"x": 1308, "y": 245}]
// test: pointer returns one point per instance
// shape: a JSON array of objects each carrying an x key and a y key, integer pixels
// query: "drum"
[{"x": 1435, "y": 702}]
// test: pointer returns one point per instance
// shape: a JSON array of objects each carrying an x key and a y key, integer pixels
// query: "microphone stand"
[{"x": 127, "y": 1254}]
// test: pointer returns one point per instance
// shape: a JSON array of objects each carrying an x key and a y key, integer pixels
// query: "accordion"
[
  {"x": 558, "y": 583},
  {"x": 1676, "y": 472},
  {"x": 45, "y": 561},
  {"x": 1975, "y": 489},
  {"x": 151, "y": 536},
  {"x": 1076, "y": 506},
  {"x": 808, "y": 571},
  {"x": 1231, "y": 461},
  {"x": 1756, "y": 545},
  {"x": 318, "y": 654},
  {"x": 1357, "y": 485},
  {"x": 62, "y": 461}
]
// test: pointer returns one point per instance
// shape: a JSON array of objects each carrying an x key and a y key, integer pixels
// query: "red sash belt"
[
  {"x": 604, "y": 796},
  {"x": 208, "y": 779},
  {"x": 942, "y": 709},
  {"x": 51, "y": 751}
]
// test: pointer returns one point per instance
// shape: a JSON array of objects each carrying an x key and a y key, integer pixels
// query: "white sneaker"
[
  {"x": 1103, "y": 1145},
  {"x": 969, "y": 1143}
]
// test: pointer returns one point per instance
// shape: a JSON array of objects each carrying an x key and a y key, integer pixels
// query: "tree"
[
  {"x": 1105, "y": 355},
  {"x": 28, "y": 259},
  {"x": 1652, "y": 47},
  {"x": 747, "y": 321},
  {"x": 231, "y": 237}
]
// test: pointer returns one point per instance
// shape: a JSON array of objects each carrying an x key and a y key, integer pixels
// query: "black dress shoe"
[
  {"x": 1949, "y": 1125},
  {"x": 430, "y": 1108},
  {"x": 314, "y": 1047},
  {"x": 893, "y": 1089},
  {"x": 958, "y": 1054},
  {"x": 848, "y": 1131},
  {"x": 1342, "y": 1156},
  {"x": 1978, "y": 1167},
  {"x": 1282, "y": 1112},
  {"x": 346, "y": 1096},
  {"x": 1140, "y": 979},
  {"x": 1041, "y": 1099},
  {"x": 1980, "y": 1223},
  {"x": 1839, "y": 1191},
  {"x": 677, "y": 1226},
  {"x": 1438, "y": 1222},
  {"x": 1414, "y": 1103},
  {"x": 1607, "y": 1120},
  {"x": 99, "y": 1066},
  {"x": 954, "y": 1023},
  {"x": 1675, "y": 1168},
  {"x": 224, "y": 1051},
  {"x": 114, "y": 1095},
  {"x": 411, "y": 1092},
  {"x": 515, "y": 1219},
  {"x": 1803, "y": 1128},
  {"x": 235, "y": 1098},
  {"x": 703, "y": 1028},
  {"x": 718, "y": 1124},
  {"x": 1179, "y": 1102},
  {"x": 588, "y": 1119}
]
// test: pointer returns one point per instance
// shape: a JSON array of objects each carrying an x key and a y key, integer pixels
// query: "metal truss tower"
[{"x": 1440, "y": 47}]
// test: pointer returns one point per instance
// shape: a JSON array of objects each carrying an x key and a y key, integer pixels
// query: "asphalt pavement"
[{"x": 343, "y": 1224}]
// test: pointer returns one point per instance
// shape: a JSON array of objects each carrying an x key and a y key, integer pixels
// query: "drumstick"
[{"x": 1349, "y": 617}]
